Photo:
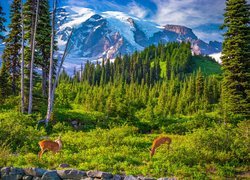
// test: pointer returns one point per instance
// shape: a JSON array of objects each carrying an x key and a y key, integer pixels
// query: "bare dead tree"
[
  {"x": 51, "y": 61},
  {"x": 51, "y": 103},
  {"x": 22, "y": 63},
  {"x": 52, "y": 91},
  {"x": 32, "y": 60}
]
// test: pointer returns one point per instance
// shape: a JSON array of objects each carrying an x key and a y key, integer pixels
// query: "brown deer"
[
  {"x": 158, "y": 142},
  {"x": 49, "y": 145}
]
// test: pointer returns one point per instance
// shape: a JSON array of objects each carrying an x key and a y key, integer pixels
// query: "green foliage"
[
  {"x": 148, "y": 66},
  {"x": 19, "y": 132},
  {"x": 6, "y": 157},
  {"x": 11, "y": 53},
  {"x": 108, "y": 116},
  {"x": 207, "y": 65},
  {"x": 2, "y": 21},
  {"x": 236, "y": 59},
  {"x": 140, "y": 105},
  {"x": 207, "y": 152},
  {"x": 4, "y": 85}
]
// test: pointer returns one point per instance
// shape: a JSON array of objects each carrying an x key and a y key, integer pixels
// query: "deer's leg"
[
  {"x": 168, "y": 146},
  {"x": 40, "y": 153}
]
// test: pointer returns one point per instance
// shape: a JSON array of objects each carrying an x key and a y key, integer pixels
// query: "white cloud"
[
  {"x": 136, "y": 10},
  {"x": 191, "y": 13},
  {"x": 209, "y": 36}
]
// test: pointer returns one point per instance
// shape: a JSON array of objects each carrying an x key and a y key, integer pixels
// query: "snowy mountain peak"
[{"x": 107, "y": 34}]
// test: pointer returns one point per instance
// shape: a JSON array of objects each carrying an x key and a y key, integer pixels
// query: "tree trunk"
[
  {"x": 22, "y": 63},
  {"x": 32, "y": 61},
  {"x": 44, "y": 82},
  {"x": 49, "y": 110},
  {"x": 52, "y": 95},
  {"x": 14, "y": 77}
]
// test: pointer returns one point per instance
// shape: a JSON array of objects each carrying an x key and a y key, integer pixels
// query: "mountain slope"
[{"x": 107, "y": 34}]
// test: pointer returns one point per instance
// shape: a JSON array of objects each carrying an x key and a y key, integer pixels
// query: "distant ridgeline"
[
  {"x": 154, "y": 64},
  {"x": 166, "y": 78}
]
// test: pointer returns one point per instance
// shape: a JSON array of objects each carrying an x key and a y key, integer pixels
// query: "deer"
[
  {"x": 158, "y": 142},
  {"x": 54, "y": 146}
]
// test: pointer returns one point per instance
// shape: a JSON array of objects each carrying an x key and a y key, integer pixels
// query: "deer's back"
[
  {"x": 161, "y": 140},
  {"x": 49, "y": 145}
]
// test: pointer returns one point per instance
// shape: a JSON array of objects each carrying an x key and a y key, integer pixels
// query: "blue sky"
[{"x": 203, "y": 16}]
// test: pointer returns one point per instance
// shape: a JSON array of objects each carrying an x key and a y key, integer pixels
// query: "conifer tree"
[
  {"x": 43, "y": 42},
  {"x": 43, "y": 34},
  {"x": 236, "y": 58},
  {"x": 2, "y": 21},
  {"x": 3, "y": 70},
  {"x": 4, "y": 85},
  {"x": 11, "y": 54},
  {"x": 199, "y": 84}
]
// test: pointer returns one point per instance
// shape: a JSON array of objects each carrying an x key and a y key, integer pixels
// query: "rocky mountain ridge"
[{"x": 107, "y": 34}]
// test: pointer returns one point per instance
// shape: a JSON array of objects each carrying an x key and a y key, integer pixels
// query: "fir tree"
[
  {"x": 43, "y": 42},
  {"x": 11, "y": 54},
  {"x": 2, "y": 21},
  {"x": 43, "y": 38},
  {"x": 4, "y": 86},
  {"x": 236, "y": 58}
]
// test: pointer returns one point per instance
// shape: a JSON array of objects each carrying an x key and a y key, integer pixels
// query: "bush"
[{"x": 19, "y": 132}]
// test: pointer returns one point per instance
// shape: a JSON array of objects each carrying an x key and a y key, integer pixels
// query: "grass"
[
  {"x": 206, "y": 64},
  {"x": 205, "y": 152}
]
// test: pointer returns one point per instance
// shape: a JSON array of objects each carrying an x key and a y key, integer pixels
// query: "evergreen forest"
[{"x": 109, "y": 112}]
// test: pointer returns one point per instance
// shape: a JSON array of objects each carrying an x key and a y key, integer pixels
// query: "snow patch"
[
  {"x": 95, "y": 28},
  {"x": 118, "y": 21},
  {"x": 149, "y": 28},
  {"x": 80, "y": 16},
  {"x": 216, "y": 56}
]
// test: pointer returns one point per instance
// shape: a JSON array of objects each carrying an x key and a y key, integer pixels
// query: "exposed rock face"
[{"x": 182, "y": 31}]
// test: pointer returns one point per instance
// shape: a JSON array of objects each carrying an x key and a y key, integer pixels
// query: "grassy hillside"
[{"x": 207, "y": 65}]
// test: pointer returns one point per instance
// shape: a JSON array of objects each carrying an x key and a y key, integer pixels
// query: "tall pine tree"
[
  {"x": 3, "y": 71},
  {"x": 43, "y": 35},
  {"x": 11, "y": 54},
  {"x": 43, "y": 39},
  {"x": 236, "y": 58},
  {"x": 4, "y": 86},
  {"x": 2, "y": 21}
]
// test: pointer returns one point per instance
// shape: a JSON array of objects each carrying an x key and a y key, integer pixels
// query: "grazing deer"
[
  {"x": 158, "y": 142},
  {"x": 49, "y": 145}
]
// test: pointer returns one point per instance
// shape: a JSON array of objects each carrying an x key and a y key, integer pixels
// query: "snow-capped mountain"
[{"x": 107, "y": 34}]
